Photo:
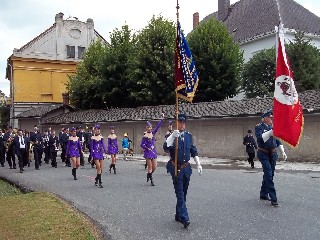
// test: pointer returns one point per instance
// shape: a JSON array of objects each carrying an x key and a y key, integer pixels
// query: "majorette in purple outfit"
[
  {"x": 148, "y": 142},
  {"x": 73, "y": 148},
  {"x": 112, "y": 144},
  {"x": 97, "y": 148}
]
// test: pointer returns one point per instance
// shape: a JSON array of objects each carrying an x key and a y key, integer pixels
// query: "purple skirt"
[
  {"x": 97, "y": 156},
  {"x": 150, "y": 154}
]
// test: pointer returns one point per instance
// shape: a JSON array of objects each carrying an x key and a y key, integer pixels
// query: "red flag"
[{"x": 287, "y": 110}]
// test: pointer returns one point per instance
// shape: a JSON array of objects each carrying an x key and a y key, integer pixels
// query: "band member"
[
  {"x": 46, "y": 148},
  {"x": 88, "y": 136},
  {"x": 112, "y": 149},
  {"x": 73, "y": 150},
  {"x": 2, "y": 149},
  {"x": 36, "y": 140},
  {"x": 97, "y": 148},
  {"x": 63, "y": 138},
  {"x": 186, "y": 149},
  {"x": 81, "y": 136},
  {"x": 149, "y": 147},
  {"x": 268, "y": 156},
  {"x": 22, "y": 147},
  {"x": 10, "y": 148},
  {"x": 54, "y": 147},
  {"x": 251, "y": 145}
]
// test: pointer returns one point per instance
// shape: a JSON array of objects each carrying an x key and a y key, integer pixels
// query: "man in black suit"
[
  {"x": 2, "y": 149},
  {"x": 22, "y": 148},
  {"x": 54, "y": 147},
  {"x": 251, "y": 145},
  {"x": 36, "y": 140}
]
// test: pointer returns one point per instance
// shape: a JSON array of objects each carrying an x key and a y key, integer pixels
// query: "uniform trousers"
[{"x": 268, "y": 167}]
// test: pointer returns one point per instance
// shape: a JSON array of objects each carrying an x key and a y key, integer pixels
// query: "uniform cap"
[
  {"x": 267, "y": 114},
  {"x": 111, "y": 127},
  {"x": 72, "y": 129},
  {"x": 97, "y": 126},
  {"x": 182, "y": 117},
  {"x": 170, "y": 123},
  {"x": 149, "y": 124}
]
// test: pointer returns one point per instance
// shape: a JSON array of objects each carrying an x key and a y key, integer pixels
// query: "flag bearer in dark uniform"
[
  {"x": 267, "y": 154},
  {"x": 2, "y": 149},
  {"x": 63, "y": 138},
  {"x": 53, "y": 147},
  {"x": 186, "y": 149},
  {"x": 251, "y": 145},
  {"x": 63, "y": 150},
  {"x": 36, "y": 140},
  {"x": 22, "y": 148}
]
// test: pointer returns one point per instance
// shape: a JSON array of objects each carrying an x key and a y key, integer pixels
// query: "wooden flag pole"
[{"x": 177, "y": 110}]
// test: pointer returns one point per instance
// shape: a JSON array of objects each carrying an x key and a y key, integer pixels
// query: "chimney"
[
  {"x": 223, "y": 9},
  {"x": 59, "y": 17},
  {"x": 195, "y": 20},
  {"x": 65, "y": 98}
]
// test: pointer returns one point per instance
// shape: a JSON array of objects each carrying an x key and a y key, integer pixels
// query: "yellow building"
[{"x": 39, "y": 71}]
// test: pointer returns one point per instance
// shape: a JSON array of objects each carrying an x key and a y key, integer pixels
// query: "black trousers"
[
  {"x": 2, "y": 156},
  {"x": 53, "y": 156},
  {"x": 11, "y": 158},
  {"x": 251, "y": 157},
  {"x": 47, "y": 154},
  {"x": 23, "y": 158},
  {"x": 37, "y": 154},
  {"x": 63, "y": 153}
]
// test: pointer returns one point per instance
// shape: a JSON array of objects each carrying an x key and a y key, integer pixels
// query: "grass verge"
[{"x": 40, "y": 216}]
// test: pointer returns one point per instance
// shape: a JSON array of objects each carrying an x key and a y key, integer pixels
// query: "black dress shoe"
[
  {"x": 21, "y": 171},
  {"x": 265, "y": 198},
  {"x": 186, "y": 224},
  {"x": 275, "y": 204},
  {"x": 177, "y": 218},
  {"x": 14, "y": 167},
  {"x": 37, "y": 168}
]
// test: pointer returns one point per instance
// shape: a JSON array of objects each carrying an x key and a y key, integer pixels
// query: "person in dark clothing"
[
  {"x": 53, "y": 147},
  {"x": 21, "y": 144},
  {"x": 36, "y": 140},
  {"x": 2, "y": 149},
  {"x": 251, "y": 147}
]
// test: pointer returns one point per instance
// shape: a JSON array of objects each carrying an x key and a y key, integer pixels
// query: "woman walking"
[
  {"x": 112, "y": 149},
  {"x": 97, "y": 148},
  {"x": 149, "y": 148},
  {"x": 74, "y": 150}
]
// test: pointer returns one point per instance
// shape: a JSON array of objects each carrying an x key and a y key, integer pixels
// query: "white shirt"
[{"x": 22, "y": 142}]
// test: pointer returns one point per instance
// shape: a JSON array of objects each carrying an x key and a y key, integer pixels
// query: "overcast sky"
[{"x": 22, "y": 20}]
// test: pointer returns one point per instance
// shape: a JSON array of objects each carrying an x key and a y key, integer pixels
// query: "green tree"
[
  {"x": 84, "y": 86},
  {"x": 116, "y": 68},
  {"x": 305, "y": 62},
  {"x": 258, "y": 74},
  {"x": 218, "y": 61},
  {"x": 151, "y": 68},
  {"x": 4, "y": 112}
]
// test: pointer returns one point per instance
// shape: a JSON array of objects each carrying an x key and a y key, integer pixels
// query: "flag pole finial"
[{"x": 177, "y": 7}]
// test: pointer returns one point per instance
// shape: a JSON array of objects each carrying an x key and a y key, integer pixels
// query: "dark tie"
[
  {"x": 182, "y": 137},
  {"x": 22, "y": 142}
]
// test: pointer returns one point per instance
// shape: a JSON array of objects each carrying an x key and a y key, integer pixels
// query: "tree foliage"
[
  {"x": 259, "y": 73},
  {"x": 151, "y": 75},
  {"x": 218, "y": 61}
]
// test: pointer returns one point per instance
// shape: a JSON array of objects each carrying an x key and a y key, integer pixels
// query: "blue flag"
[{"x": 186, "y": 76}]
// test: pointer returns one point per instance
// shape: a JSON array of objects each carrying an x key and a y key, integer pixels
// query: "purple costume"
[
  {"x": 97, "y": 148},
  {"x": 73, "y": 148},
  {"x": 112, "y": 144},
  {"x": 148, "y": 143}
]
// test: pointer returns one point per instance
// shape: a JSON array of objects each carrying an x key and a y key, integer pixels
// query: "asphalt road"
[{"x": 222, "y": 204}]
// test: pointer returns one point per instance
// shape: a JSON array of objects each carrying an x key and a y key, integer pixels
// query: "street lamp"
[{"x": 12, "y": 96}]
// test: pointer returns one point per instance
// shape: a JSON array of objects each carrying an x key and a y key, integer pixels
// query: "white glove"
[
  {"x": 199, "y": 167},
  {"x": 171, "y": 138},
  {"x": 267, "y": 135},
  {"x": 284, "y": 155}
]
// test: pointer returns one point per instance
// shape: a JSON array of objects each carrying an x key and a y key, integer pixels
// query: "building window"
[
  {"x": 80, "y": 52},
  {"x": 71, "y": 51}
]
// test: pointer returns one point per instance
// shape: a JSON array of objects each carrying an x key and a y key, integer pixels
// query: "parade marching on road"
[{"x": 223, "y": 203}]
